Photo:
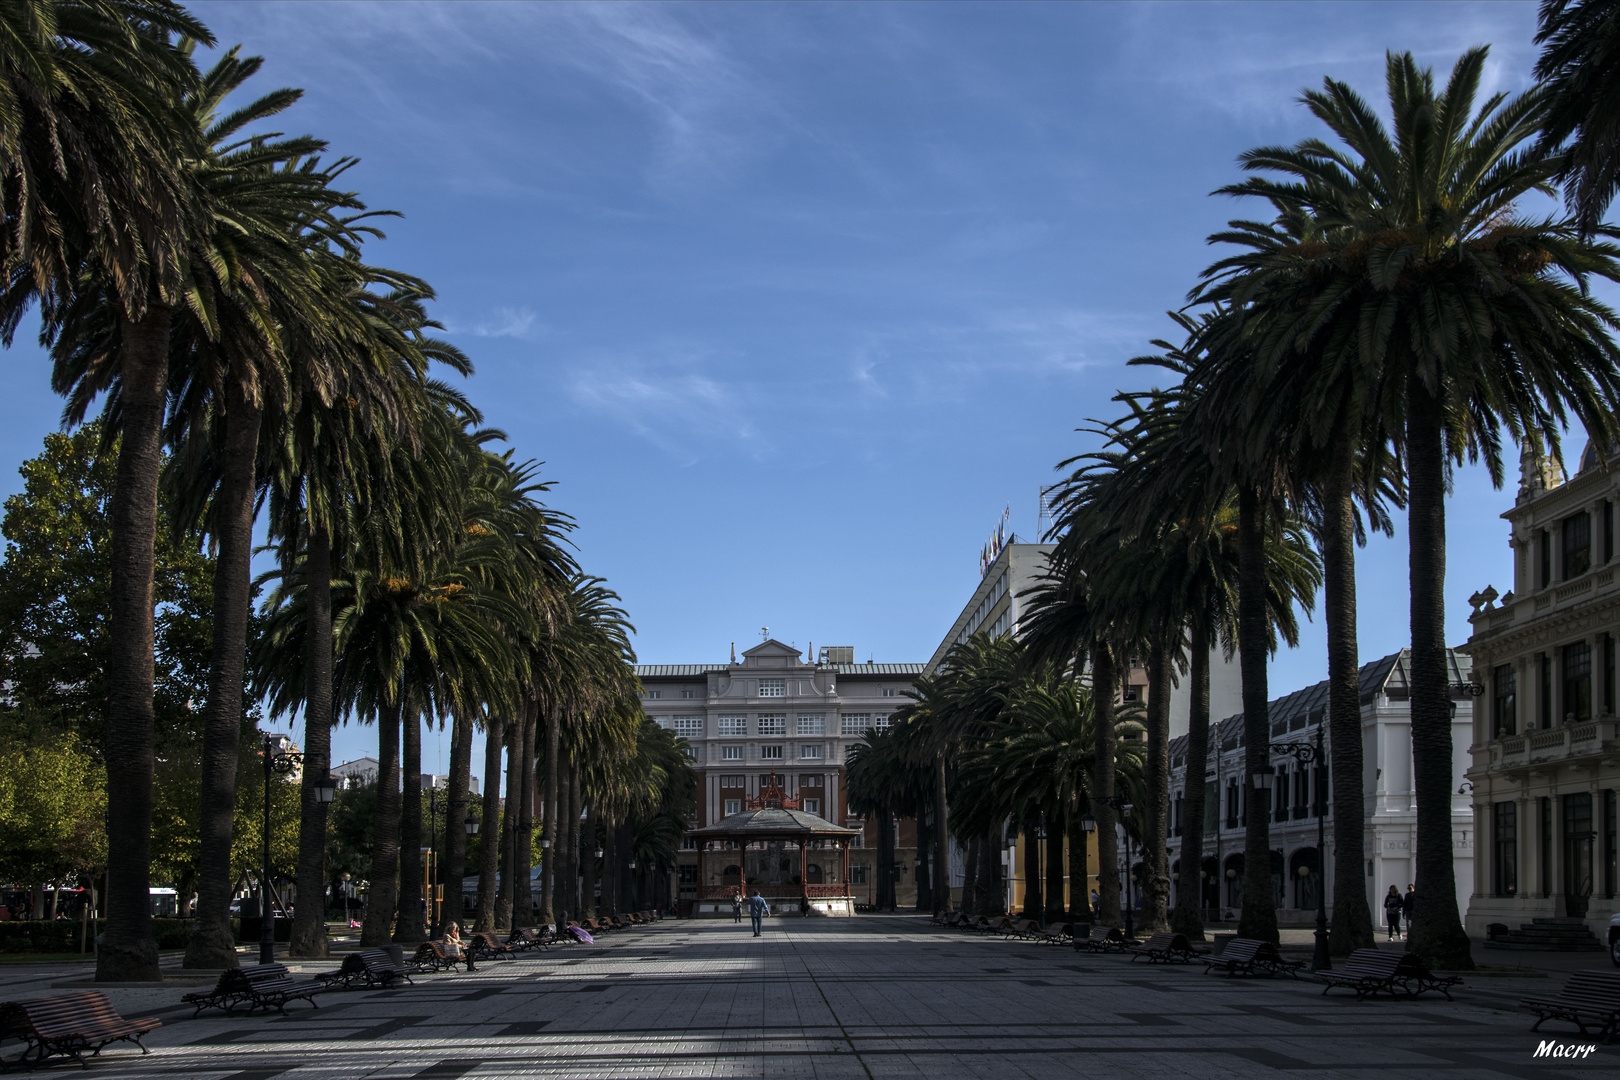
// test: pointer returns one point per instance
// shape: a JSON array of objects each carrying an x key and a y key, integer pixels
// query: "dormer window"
[
  {"x": 773, "y": 688},
  {"x": 1577, "y": 545}
]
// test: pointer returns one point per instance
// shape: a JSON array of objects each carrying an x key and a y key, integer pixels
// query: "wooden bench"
[
  {"x": 370, "y": 967},
  {"x": 431, "y": 956},
  {"x": 523, "y": 939},
  {"x": 1023, "y": 928},
  {"x": 485, "y": 946},
  {"x": 1164, "y": 947},
  {"x": 68, "y": 1025},
  {"x": 1058, "y": 936},
  {"x": 1588, "y": 998},
  {"x": 1101, "y": 939},
  {"x": 1369, "y": 971},
  {"x": 258, "y": 986},
  {"x": 1246, "y": 956}
]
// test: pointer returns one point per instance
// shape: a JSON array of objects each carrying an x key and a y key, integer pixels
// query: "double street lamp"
[
  {"x": 435, "y": 891},
  {"x": 277, "y": 760},
  {"x": 1307, "y": 754}
]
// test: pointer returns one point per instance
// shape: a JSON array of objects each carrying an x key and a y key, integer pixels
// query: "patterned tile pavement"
[{"x": 861, "y": 999}]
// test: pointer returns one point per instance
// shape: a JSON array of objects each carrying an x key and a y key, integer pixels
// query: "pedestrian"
[
  {"x": 1409, "y": 909},
  {"x": 1393, "y": 905},
  {"x": 1096, "y": 899},
  {"x": 736, "y": 906},
  {"x": 757, "y": 910}
]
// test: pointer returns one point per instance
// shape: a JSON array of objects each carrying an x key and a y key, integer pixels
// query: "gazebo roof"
[{"x": 768, "y": 822}]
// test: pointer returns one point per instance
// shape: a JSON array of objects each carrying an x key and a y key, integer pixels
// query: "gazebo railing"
[{"x": 773, "y": 892}]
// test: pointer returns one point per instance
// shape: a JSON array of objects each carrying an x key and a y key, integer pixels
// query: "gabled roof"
[{"x": 772, "y": 647}]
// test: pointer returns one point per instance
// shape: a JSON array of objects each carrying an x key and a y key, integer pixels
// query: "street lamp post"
[
  {"x": 1089, "y": 824},
  {"x": 1308, "y": 754},
  {"x": 325, "y": 789}
]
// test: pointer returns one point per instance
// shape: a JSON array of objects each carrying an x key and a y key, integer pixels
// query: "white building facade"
[
  {"x": 1546, "y": 747},
  {"x": 1390, "y": 826}
]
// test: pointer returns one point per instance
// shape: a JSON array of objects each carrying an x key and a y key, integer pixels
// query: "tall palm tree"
[
  {"x": 1466, "y": 318},
  {"x": 98, "y": 212},
  {"x": 1580, "y": 70}
]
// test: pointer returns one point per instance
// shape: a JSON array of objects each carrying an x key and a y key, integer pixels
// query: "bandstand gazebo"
[{"x": 759, "y": 838}]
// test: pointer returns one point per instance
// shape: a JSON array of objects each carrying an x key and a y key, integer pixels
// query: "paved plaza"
[{"x": 848, "y": 998}]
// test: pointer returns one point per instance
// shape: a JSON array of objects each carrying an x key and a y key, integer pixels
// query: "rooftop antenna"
[
  {"x": 733, "y": 652},
  {"x": 1045, "y": 525},
  {"x": 764, "y": 633}
]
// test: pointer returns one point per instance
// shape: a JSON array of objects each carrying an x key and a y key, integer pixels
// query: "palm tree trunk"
[
  {"x": 509, "y": 816},
  {"x": 588, "y": 865},
  {"x": 885, "y": 859},
  {"x": 127, "y": 952},
  {"x": 991, "y": 888},
  {"x": 564, "y": 835},
  {"x": 925, "y": 880},
  {"x": 970, "y": 876},
  {"x": 383, "y": 897},
  {"x": 489, "y": 850},
  {"x": 1034, "y": 908},
  {"x": 1188, "y": 917},
  {"x": 309, "y": 920},
  {"x": 523, "y": 899},
  {"x": 408, "y": 925},
  {"x": 1054, "y": 867},
  {"x": 548, "y": 858},
  {"x": 1352, "y": 919},
  {"x": 454, "y": 868},
  {"x": 1259, "y": 919},
  {"x": 942, "y": 840},
  {"x": 1156, "y": 818},
  {"x": 1103, "y": 688},
  {"x": 575, "y": 802},
  {"x": 212, "y": 944},
  {"x": 1437, "y": 931}
]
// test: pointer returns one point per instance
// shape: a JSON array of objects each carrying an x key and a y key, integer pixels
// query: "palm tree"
[
  {"x": 1466, "y": 319},
  {"x": 98, "y": 212},
  {"x": 884, "y": 783},
  {"x": 1580, "y": 70}
]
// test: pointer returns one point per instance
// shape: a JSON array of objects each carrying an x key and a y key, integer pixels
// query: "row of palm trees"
[
  {"x": 1392, "y": 314},
  {"x": 204, "y": 281}
]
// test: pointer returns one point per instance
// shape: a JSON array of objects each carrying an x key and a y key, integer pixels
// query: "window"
[
  {"x": 773, "y": 723},
  {"x": 731, "y": 781},
  {"x": 733, "y": 806},
  {"x": 880, "y": 723},
  {"x": 810, "y": 752},
  {"x": 654, "y": 695},
  {"x": 1233, "y": 811},
  {"x": 1505, "y": 693},
  {"x": 661, "y": 721},
  {"x": 857, "y": 873},
  {"x": 1545, "y": 705},
  {"x": 773, "y": 688},
  {"x": 688, "y": 693},
  {"x": 1130, "y": 692},
  {"x": 1577, "y": 665},
  {"x": 691, "y": 753},
  {"x": 770, "y": 753},
  {"x": 1505, "y": 848},
  {"x": 731, "y": 753},
  {"x": 1608, "y": 674},
  {"x": 1577, "y": 553},
  {"x": 889, "y": 691},
  {"x": 1544, "y": 806},
  {"x": 1544, "y": 552},
  {"x": 812, "y": 806},
  {"x": 810, "y": 780},
  {"x": 733, "y": 725},
  {"x": 849, "y": 751},
  {"x": 1609, "y": 848},
  {"x": 815, "y": 724},
  {"x": 856, "y": 723},
  {"x": 1608, "y": 531},
  {"x": 689, "y": 727}
]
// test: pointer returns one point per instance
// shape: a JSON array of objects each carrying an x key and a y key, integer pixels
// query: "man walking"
[
  {"x": 757, "y": 910},
  {"x": 1408, "y": 908}
]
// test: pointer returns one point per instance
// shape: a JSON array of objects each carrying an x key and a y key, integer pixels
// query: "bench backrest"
[
  {"x": 1024, "y": 925},
  {"x": 1601, "y": 988},
  {"x": 1242, "y": 949},
  {"x": 1374, "y": 962},
  {"x": 1164, "y": 939},
  {"x": 82, "y": 1012},
  {"x": 374, "y": 961}
]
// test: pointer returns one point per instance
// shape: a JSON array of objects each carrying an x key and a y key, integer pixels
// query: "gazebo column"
[
  {"x": 847, "y": 890},
  {"x": 804, "y": 868}
]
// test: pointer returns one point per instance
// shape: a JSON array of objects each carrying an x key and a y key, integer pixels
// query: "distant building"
[
  {"x": 362, "y": 771},
  {"x": 773, "y": 713},
  {"x": 1546, "y": 745},
  {"x": 1389, "y": 839}
]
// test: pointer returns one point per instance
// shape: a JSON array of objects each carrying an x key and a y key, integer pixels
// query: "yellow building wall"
[{"x": 1017, "y": 877}]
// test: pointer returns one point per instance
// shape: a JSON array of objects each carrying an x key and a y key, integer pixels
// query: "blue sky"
[{"x": 793, "y": 299}]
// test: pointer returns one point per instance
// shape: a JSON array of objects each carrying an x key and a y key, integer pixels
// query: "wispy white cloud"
[
  {"x": 685, "y": 412},
  {"x": 507, "y": 322}
]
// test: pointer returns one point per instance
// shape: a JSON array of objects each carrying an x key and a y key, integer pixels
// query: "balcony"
[{"x": 1567, "y": 743}]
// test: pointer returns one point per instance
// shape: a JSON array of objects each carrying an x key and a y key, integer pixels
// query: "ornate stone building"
[{"x": 1546, "y": 747}]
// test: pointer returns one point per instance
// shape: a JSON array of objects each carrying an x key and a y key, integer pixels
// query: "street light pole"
[
  {"x": 1119, "y": 803},
  {"x": 1309, "y": 754},
  {"x": 325, "y": 790}
]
